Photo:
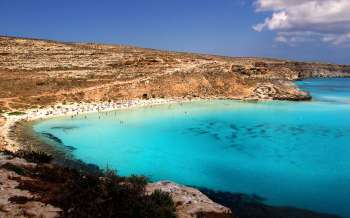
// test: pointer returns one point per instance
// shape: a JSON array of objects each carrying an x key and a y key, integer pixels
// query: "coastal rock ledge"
[{"x": 189, "y": 201}]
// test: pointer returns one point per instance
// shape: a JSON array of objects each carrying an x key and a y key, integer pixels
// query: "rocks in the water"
[
  {"x": 71, "y": 148},
  {"x": 189, "y": 201},
  {"x": 64, "y": 128},
  {"x": 58, "y": 140},
  {"x": 52, "y": 137}
]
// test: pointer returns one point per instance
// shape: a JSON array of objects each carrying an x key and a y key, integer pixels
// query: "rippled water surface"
[{"x": 291, "y": 153}]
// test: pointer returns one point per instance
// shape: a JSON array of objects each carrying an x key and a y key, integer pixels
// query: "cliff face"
[{"x": 39, "y": 72}]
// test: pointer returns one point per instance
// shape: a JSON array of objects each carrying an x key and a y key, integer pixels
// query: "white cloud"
[{"x": 303, "y": 20}]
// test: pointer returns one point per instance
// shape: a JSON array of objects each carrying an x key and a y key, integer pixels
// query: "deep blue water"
[{"x": 291, "y": 153}]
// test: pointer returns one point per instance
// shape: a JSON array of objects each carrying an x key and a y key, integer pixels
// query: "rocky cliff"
[{"x": 42, "y": 72}]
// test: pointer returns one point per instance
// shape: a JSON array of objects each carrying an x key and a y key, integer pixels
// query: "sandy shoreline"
[{"x": 73, "y": 109}]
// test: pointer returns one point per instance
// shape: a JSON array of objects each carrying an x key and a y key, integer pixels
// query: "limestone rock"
[
  {"x": 8, "y": 189},
  {"x": 189, "y": 201}
]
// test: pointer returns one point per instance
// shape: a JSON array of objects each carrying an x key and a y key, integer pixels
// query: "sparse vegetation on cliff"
[
  {"x": 49, "y": 72},
  {"x": 34, "y": 156},
  {"x": 16, "y": 113},
  {"x": 89, "y": 194}
]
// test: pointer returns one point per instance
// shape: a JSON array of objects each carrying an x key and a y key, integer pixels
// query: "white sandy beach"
[{"x": 74, "y": 109}]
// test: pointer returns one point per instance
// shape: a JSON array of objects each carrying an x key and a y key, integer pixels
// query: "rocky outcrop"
[
  {"x": 16, "y": 202},
  {"x": 190, "y": 202},
  {"x": 269, "y": 91}
]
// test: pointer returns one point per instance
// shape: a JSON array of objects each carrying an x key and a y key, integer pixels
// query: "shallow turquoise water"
[{"x": 291, "y": 153}]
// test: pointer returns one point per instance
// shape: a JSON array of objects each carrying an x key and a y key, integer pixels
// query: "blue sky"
[{"x": 223, "y": 27}]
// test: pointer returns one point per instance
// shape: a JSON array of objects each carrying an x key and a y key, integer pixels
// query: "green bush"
[
  {"x": 16, "y": 113},
  {"x": 35, "y": 156},
  {"x": 162, "y": 198},
  {"x": 103, "y": 194},
  {"x": 14, "y": 168}
]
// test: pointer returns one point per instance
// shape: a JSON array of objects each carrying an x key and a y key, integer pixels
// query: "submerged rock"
[
  {"x": 253, "y": 206},
  {"x": 189, "y": 201},
  {"x": 52, "y": 137}
]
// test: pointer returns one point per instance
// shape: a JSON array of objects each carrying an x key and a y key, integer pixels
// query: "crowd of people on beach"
[{"x": 75, "y": 109}]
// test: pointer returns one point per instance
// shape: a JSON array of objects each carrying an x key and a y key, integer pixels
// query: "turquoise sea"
[{"x": 290, "y": 153}]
